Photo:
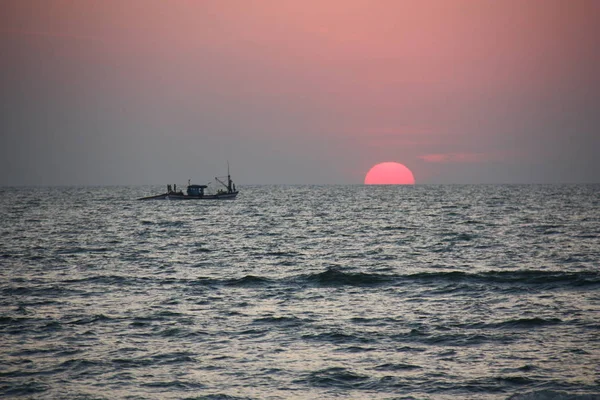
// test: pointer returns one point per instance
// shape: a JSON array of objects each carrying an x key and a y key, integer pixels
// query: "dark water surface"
[{"x": 301, "y": 292}]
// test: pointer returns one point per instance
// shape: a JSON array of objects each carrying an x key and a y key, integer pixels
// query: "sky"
[{"x": 138, "y": 92}]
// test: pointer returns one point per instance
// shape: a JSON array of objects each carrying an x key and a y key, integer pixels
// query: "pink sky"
[{"x": 300, "y": 92}]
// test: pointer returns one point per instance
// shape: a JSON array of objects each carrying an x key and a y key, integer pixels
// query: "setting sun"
[{"x": 389, "y": 173}]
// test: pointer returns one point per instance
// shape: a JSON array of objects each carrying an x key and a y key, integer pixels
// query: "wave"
[
  {"x": 279, "y": 321},
  {"x": 396, "y": 367},
  {"x": 553, "y": 395},
  {"x": 329, "y": 277},
  {"x": 248, "y": 281},
  {"x": 526, "y": 323},
  {"x": 116, "y": 280},
  {"x": 444, "y": 281},
  {"x": 335, "y": 377},
  {"x": 40, "y": 291},
  {"x": 531, "y": 277},
  {"x": 217, "y": 396},
  {"x": 175, "y": 384},
  {"x": 338, "y": 338},
  {"x": 518, "y": 323},
  {"x": 78, "y": 365},
  {"x": 25, "y": 389},
  {"x": 336, "y": 277},
  {"x": 80, "y": 250},
  {"x": 91, "y": 320},
  {"x": 451, "y": 339}
]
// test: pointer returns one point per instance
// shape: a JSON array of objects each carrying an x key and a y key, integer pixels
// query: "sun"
[{"x": 389, "y": 173}]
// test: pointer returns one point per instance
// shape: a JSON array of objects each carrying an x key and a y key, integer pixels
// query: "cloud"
[{"x": 447, "y": 158}]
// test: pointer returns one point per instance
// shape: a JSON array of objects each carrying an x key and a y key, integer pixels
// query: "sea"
[{"x": 301, "y": 292}]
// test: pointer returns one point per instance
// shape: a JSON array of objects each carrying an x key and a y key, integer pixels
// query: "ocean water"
[{"x": 301, "y": 292}]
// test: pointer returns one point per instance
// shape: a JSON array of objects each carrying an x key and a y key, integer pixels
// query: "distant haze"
[{"x": 156, "y": 92}]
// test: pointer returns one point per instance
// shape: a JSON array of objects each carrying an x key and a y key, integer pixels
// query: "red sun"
[{"x": 389, "y": 173}]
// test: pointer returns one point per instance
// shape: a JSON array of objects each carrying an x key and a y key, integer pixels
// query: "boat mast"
[
  {"x": 229, "y": 182},
  {"x": 228, "y": 179}
]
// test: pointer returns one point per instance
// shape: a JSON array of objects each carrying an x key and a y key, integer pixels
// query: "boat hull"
[{"x": 176, "y": 196}]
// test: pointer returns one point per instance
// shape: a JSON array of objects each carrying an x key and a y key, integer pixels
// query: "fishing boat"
[{"x": 197, "y": 192}]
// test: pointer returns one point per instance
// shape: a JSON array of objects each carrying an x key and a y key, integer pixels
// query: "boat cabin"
[{"x": 196, "y": 190}]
